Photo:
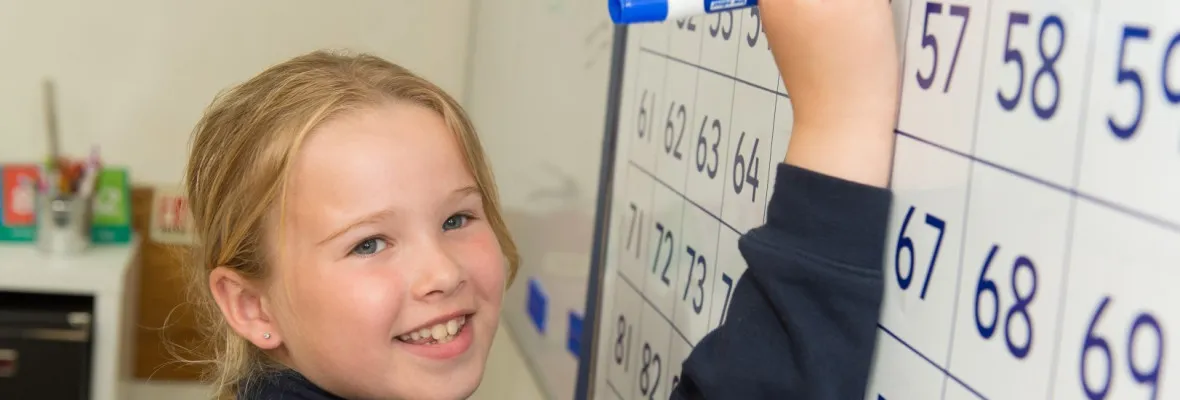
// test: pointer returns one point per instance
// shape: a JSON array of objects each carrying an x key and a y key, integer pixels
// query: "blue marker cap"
[
  {"x": 638, "y": 11},
  {"x": 641, "y": 11}
]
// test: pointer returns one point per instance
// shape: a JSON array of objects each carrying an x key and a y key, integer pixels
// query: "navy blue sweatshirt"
[
  {"x": 802, "y": 323},
  {"x": 803, "y": 320}
]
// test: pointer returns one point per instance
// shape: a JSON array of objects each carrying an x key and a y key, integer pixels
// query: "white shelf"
[{"x": 101, "y": 269}]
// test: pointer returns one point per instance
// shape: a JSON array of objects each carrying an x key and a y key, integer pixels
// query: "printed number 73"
[{"x": 905, "y": 243}]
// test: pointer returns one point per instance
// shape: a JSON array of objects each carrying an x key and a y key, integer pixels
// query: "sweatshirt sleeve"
[{"x": 803, "y": 318}]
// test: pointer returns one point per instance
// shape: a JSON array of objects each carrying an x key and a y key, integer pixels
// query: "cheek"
[
  {"x": 479, "y": 253},
  {"x": 356, "y": 299}
]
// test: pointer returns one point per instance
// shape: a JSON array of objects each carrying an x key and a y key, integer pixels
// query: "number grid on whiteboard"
[{"x": 1036, "y": 220}]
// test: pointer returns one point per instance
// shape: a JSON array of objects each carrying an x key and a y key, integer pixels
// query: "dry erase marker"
[{"x": 640, "y": 11}]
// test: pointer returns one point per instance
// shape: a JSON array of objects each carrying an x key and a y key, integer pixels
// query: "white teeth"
[{"x": 440, "y": 333}]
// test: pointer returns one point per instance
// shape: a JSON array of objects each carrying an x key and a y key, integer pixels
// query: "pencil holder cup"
[{"x": 63, "y": 223}]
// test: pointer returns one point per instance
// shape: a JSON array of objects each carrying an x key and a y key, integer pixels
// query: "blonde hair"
[{"x": 241, "y": 153}]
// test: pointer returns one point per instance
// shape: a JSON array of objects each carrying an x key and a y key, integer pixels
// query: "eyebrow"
[
  {"x": 464, "y": 192},
  {"x": 383, "y": 214},
  {"x": 368, "y": 219}
]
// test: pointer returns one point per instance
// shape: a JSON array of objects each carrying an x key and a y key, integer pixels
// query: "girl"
[{"x": 350, "y": 242}]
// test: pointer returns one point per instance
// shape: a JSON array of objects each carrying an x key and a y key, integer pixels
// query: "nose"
[{"x": 439, "y": 274}]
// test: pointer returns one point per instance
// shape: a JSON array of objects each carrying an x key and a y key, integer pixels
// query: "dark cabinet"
[{"x": 45, "y": 346}]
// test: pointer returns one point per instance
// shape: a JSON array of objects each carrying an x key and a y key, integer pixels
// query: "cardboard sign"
[{"x": 171, "y": 219}]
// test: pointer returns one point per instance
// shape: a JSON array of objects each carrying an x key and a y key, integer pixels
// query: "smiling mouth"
[{"x": 436, "y": 334}]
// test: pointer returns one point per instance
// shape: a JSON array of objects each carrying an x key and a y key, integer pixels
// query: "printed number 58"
[{"x": 1046, "y": 67}]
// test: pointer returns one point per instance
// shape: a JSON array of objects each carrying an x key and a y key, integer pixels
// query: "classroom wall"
[{"x": 133, "y": 76}]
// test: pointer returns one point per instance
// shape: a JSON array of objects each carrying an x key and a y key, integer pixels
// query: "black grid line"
[
  {"x": 683, "y": 196},
  {"x": 944, "y": 371},
  {"x": 713, "y": 71},
  {"x": 1073, "y": 192},
  {"x": 966, "y": 218},
  {"x": 1073, "y": 209}
]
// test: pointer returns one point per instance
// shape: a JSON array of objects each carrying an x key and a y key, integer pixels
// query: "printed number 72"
[
  {"x": 905, "y": 243},
  {"x": 928, "y": 40}
]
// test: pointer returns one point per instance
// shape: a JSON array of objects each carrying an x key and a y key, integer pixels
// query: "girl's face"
[{"x": 388, "y": 277}]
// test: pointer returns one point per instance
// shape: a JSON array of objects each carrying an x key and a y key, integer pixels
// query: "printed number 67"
[{"x": 905, "y": 243}]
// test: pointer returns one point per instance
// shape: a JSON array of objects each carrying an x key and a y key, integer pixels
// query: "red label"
[
  {"x": 20, "y": 195},
  {"x": 173, "y": 213}
]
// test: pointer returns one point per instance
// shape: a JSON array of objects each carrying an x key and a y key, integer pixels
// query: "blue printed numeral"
[
  {"x": 929, "y": 41},
  {"x": 695, "y": 259},
  {"x": 1129, "y": 75},
  {"x": 904, "y": 242},
  {"x": 1097, "y": 343},
  {"x": 1018, "y": 309},
  {"x": 663, "y": 236},
  {"x": 1047, "y": 69}
]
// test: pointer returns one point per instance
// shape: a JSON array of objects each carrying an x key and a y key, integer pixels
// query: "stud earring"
[{"x": 266, "y": 335}]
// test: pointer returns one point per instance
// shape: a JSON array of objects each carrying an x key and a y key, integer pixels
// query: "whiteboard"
[{"x": 1034, "y": 239}]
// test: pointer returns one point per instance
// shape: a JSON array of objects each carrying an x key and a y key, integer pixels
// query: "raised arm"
[
  {"x": 802, "y": 321},
  {"x": 839, "y": 63}
]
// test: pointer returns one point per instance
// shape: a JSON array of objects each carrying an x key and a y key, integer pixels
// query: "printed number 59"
[
  {"x": 1131, "y": 77},
  {"x": 904, "y": 242}
]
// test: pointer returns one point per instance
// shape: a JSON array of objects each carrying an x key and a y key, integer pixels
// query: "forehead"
[
  {"x": 390, "y": 138},
  {"x": 370, "y": 158}
]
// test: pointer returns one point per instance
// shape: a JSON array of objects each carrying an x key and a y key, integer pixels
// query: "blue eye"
[
  {"x": 455, "y": 222},
  {"x": 368, "y": 247}
]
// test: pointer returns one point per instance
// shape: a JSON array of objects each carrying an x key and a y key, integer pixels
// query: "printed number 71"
[
  {"x": 928, "y": 40},
  {"x": 905, "y": 243}
]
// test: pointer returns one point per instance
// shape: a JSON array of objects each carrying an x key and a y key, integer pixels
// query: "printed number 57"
[
  {"x": 904, "y": 242},
  {"x": 928, "y": 40}
]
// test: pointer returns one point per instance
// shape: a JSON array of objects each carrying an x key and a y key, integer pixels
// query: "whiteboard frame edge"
[{"x": 587, "y": 361}]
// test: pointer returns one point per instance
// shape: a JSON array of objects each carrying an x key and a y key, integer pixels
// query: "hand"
[{"x": 839, "y": 63}]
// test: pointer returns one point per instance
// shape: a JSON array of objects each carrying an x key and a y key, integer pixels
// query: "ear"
[{"x": 241, "y": 302}]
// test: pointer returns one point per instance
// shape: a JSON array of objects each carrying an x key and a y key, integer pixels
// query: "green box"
[{"x": 112, "y": 207}]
